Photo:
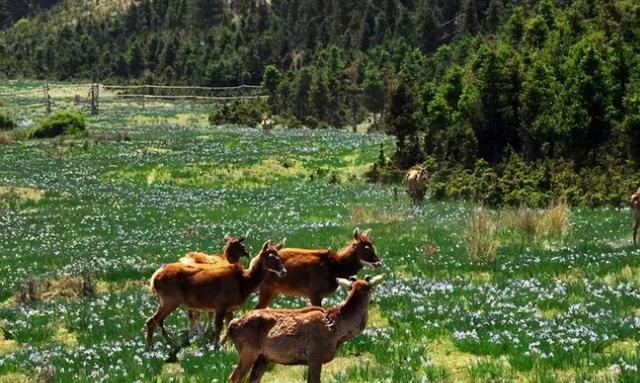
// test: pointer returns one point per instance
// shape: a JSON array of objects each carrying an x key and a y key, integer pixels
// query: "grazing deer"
[
  {"x": 232, "y": 252},
  {"x": 220, "y": 289},
  {"x": 313, "y": 273},
  {"x": 635, "y": 207},
  {"x": 309, "y": 336},
  {"x": 416, "y": 180}
]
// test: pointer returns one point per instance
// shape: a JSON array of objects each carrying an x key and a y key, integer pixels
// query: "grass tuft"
[{"x": 482, "y": 237}]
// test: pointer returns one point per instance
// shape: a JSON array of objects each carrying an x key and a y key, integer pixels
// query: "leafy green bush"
[
  {"x": 64, "y": 122},
  {"x": 6, "y": 123},
  {"x": 247, "y": 113}
]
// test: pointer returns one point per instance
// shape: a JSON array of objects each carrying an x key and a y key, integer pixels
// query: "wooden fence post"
[
  {"x": 94, "y": 99},
  {"x": 47, "y": 97}
]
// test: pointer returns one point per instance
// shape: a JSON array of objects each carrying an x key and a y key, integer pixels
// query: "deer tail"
[{"x": 153, "y": 279}]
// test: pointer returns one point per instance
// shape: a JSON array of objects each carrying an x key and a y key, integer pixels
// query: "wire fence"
[{"x": 29, "y": 102}]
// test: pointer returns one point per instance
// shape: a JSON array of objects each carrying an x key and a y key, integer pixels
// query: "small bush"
[
  {"x": 6, "y": 123},
  {"x": 481, "y": 237},
  {"x": 247, "y": 113},
  {"x": 65, "y": 122}
]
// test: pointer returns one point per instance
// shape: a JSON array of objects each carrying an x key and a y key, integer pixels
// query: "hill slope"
[{"x": 460, "y": 81}]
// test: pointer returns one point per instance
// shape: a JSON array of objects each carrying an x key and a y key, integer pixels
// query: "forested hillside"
[
  {"x": 456, "y": 81},
  {"x": 12, "y": 10}
]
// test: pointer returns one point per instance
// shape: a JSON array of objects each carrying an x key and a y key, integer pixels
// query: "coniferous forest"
[{"x": 477, "y": 86}]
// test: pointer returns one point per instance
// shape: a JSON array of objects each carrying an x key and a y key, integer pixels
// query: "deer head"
[
  {"x": 270, "y": 259},
  {"x": 364, "y": 249},
  {"x": 367, "y": 284},
  {"x": 234, "y": 248}
]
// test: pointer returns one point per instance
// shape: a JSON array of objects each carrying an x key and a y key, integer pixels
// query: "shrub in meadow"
[
  {"x": 481, "y": 237},
  {"x": 247, "y": 113},
  {"x": 6, "y": 123},
  {"x": 63, "y": 122}
]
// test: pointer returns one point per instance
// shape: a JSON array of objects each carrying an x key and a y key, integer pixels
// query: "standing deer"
[
  {"x": 309, "y": 336},
  {"x": 313, "y": 273},
  {"x": 221, "y": 289},
  {"x": 635, "y": 207},
  {"x": 416, "y": 180},
  {"x": 232, "y": 252}
]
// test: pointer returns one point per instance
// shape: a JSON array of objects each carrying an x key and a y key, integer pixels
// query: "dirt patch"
[
  {"x": 47, "y": 289},
  {"x": 21, "y": 193},
  {"x": 14, "y": 377}
]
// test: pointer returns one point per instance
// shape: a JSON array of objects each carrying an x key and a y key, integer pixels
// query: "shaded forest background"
[{"x": 509, "y": 101}]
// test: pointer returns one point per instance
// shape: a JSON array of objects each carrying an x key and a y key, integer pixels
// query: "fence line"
[
  {"x": 188, "y": 97},
  {"x": 181, "y": 87},
  {"x": 96, "y": 98}
]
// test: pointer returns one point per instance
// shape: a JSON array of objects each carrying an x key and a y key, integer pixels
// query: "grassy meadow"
[{"x": 471, "y": 295}]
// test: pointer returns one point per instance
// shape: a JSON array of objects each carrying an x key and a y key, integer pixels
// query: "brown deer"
[
  {"x": 309, "y": 336},
  {"x": 232, "y": 252},
  {"x": 221, "y": 289},
  {"x": 635, "y": 207},
  {"x": 313, "y": 273},
  {"x": 416, "y": 180}
]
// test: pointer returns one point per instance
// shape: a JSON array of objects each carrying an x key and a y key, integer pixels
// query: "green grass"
[{"x": 557, "y": 308}]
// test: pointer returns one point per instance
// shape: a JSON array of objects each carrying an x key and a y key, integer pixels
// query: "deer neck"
[
  {"x": 350, "y": 318},
  {"x": 253, "y": 277},
  {"x": 348, "y": 263}
]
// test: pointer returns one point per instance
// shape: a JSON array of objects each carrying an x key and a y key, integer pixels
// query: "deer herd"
[{"x": 219, "y": 284}]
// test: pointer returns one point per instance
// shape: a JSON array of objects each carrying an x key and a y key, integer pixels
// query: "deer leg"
[
  {"x": 194, "y": 317},
  {"x": 227, "y": 319},
  {"x": 266, "y": 296},
  {"x": 635, "y": 231},
  {"x": 259, "y": 368},
  {"x": 220, "y": 314},
  {"x": 315, "y": 369},
  {"x": 242, "y": 369},
  {"x": 157, "y": 319}
]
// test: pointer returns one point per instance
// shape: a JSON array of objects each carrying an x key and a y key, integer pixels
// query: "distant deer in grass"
[
  {"x": 221, "y": 289},
  {"x": 635, "y": 207},
  {"x": 416, "y": 180},
  {"x": 232, "y": 252},
  {"x": 313, "y": 273},
  {"x": 309, "y": 336}
]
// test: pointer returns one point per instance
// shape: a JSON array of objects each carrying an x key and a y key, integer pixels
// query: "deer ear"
[
  {"x": 241, "y": 239},
  {"x": 356, "y": 234},
  {"x": 366, "y": 234},
  {"x": 227, "y": 237},
  {"x": 278, "y": 246},
  {"x": 353, "y": 278},
  {"x": 376, "y": 280},
  {"x": 266, "y": 245},
  {"x": 345, "y": 283}
]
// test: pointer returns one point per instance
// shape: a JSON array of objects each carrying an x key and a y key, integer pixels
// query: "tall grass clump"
[
  {"x": 482, "y": 237},
  {"x": 63, "y": 122},
  {"x": 5, "y": 138},
  {"x": 554, "y": 222},
  {"x": 522, "y": 220}
]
